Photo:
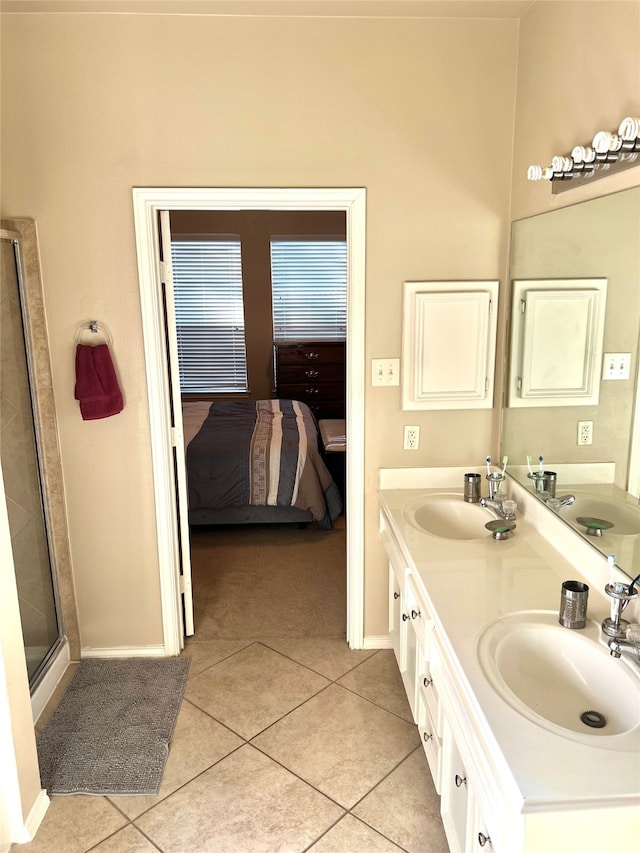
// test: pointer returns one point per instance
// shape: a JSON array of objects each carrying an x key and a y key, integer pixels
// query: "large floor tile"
[
  {"x": 127, "y": 840},
  {"x": 331, "y": 658},
  {"x": 246, "y": 802},
  {"x": 352, "y": 836},
  {"x": 197, "y": 743},
  {"x": 74, "y": 824},
  {"x": 207, "y": 653},
  {"x": 340, "y": 743},
  {"x": 405, "y": 808},
  {"x": 252, "y": 689},
  {"x": 379, "y": 680}
]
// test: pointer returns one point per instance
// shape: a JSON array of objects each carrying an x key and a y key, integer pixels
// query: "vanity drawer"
[{"x": 429, "y": 695}]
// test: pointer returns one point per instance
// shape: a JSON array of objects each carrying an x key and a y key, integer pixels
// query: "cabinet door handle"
[
  {"x": 427, "y": 681},
  {"x": 312, "y": 356},
  {"x": 396, "y": 595},
  {"x": 415, "y": 614},
  {"x": 405, "y": 616},
  {"x": 483, "y": 839},
  {"x": 426, "y": 737},
  {"x": 460, "y": 780}
]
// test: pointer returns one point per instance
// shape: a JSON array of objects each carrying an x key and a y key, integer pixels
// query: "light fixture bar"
[{"x": 608, "y": 153}]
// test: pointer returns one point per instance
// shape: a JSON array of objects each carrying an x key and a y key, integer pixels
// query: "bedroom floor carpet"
[{"x": 263, "y": 581}]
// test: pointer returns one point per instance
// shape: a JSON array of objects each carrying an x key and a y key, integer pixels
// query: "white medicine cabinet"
[
  {"x": 557, "y": 332},
  {"x": 449, "y": 344}
]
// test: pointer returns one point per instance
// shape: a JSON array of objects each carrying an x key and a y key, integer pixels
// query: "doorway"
[{"x": 167, "y": 442}]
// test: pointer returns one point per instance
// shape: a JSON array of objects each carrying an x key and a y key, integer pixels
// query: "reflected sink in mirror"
[
  {"x": 562, "y": 679},
  {"x": 625, "y": 521},
  {"x": 448, "y": 516}
]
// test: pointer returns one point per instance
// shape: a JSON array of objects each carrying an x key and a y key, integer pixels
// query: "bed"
[{"x": 256, "y": 461}]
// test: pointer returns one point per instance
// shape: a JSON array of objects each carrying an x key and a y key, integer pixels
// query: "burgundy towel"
[{"x": 97, "y": 386}]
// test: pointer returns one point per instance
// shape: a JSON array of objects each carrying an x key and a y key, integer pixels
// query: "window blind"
[
  {"x": 309, "y": 288},
  {"x": 207, "y": 283}
]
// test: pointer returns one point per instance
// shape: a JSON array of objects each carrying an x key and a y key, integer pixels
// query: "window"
[
  {"x": 309, "y": 284},
  {"x": 207, "y": 282}
]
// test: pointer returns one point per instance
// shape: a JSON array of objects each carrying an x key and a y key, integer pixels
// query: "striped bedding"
[{"x": 257, "y": 453}]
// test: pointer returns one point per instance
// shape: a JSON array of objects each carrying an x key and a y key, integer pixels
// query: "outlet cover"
[{"x": 411, "y": 437}]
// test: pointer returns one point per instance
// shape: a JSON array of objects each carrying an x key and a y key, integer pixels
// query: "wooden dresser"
[{"x": 313, "y": 372}]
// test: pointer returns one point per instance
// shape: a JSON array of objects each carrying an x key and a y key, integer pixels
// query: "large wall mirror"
[{"x": 596, "y": 239}]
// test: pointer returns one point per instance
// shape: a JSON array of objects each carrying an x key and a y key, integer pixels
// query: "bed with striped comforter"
[{"x": 246, "y": 455}]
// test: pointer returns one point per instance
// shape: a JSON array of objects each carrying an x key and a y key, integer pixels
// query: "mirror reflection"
[{"x": 595, "y": 239}]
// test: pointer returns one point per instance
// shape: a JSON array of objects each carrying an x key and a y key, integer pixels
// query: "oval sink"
[
  {"x": 448, "y": 516},
  {"x": 563, "y": 680},
  {"x": 625, "y": 519}
]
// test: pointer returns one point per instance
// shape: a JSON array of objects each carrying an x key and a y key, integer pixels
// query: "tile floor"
[{"x": 283, "y": 746}]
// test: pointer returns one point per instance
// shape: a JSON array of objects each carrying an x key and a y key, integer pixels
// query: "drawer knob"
[
  {"x": 483, "y": 839},
  {"x": 396, "y": 595},
  {"x": 311, "y": 374},
  {"x": 405, "y": 616},
  {"x": 415, "y": 614},
  {"x": 312, "y": 356},
  {"x": 427, "y": 681},
  {"x": 427, "y": 737},
  {"x": 460, "y": 780}
]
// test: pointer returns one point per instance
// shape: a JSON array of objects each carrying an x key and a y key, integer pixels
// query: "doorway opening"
[{"x": 167, "y": 441}]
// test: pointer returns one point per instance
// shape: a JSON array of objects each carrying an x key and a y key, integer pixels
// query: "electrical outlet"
[
  {"x": 411, "y": 437},
  {"x": 385, "y": 371},
  {"x": 585, "y": 432}
]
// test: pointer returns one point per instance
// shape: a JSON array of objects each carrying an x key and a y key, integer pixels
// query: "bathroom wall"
[{"x": 419, "y": 111}]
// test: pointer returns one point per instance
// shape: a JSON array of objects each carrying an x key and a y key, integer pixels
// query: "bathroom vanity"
[{"x": 496, "y": 685}]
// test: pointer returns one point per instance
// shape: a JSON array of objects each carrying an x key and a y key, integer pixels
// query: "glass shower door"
[{"x": 22, "y": 476}]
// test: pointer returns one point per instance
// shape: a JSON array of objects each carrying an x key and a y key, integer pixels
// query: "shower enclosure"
[{"x": 29, "y": 456}]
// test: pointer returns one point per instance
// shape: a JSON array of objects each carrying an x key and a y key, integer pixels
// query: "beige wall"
[
  {"x": 418, "y": 111},
  {"x": 578, "y": 73}
]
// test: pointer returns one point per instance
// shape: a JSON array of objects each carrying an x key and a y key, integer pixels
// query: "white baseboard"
[
  {"x": 124, "y": 652},
  {"x": 381, "y": 642},
  {"x": 37, "y": 813}
]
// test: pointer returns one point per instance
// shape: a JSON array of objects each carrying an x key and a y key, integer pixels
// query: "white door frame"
[{"x": 147, "y": 202}]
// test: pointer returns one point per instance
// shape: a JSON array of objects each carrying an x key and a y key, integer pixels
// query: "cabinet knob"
[
  {"x": 483, "y": 839},
  {"x": 427, "y": 681},
  {"x": 396, "y": 595},
  {"x": 312, "y": 356},
  {"x": 426, "y": 737},
  {"x": 415, "y": 614},
  {"x": 405, "y": 616},
  {"x": 460, "y": 780}
]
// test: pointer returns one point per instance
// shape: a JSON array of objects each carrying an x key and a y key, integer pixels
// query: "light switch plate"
[
  {"x": 616, "y": 365},
  {"x": 385, "y": 371}
]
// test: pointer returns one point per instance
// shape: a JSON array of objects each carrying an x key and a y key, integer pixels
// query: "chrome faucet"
[
  {"x": 497, "y": 503},
  {"x": 629, "y": 648},
  {"x": 567, "y": 500}
]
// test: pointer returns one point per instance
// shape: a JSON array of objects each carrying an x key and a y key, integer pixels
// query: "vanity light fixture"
[{"x": 608, "y": 153}]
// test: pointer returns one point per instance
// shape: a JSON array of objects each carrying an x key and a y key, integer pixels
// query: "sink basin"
[
  {"x": 561, "y": 679},
  {"x": 448, "y": 516},
  {"x": 624, "y": 518}
]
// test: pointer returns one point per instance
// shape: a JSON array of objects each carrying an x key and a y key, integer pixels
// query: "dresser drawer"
[
  {"x": 311, "y": 372},
  {"x": 312, "y": 353},
  {"x": 326, "y": 408},
  {"x": 311, "y": 391}
]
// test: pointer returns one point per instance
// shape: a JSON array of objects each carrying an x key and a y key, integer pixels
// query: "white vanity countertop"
[{"x": 469, "y": 584}]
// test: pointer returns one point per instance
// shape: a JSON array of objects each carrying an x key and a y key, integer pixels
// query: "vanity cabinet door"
[
  {"x": 455, "y": 811},
  {"x": 395, "y": 609}
]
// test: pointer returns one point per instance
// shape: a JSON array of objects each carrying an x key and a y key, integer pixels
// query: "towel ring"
[{"x": 99, "y": 333}]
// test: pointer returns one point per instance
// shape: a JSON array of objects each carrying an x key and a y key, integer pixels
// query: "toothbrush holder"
[{"x": 494, "y": 480}]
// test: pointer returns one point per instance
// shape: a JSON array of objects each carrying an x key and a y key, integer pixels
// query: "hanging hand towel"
[{"x": 97, "y": 386}]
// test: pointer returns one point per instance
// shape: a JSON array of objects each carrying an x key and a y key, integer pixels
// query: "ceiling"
[{"x": 280, "y": 8}]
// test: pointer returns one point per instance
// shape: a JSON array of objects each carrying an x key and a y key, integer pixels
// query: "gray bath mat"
[{"x": 110, "y": 733}]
